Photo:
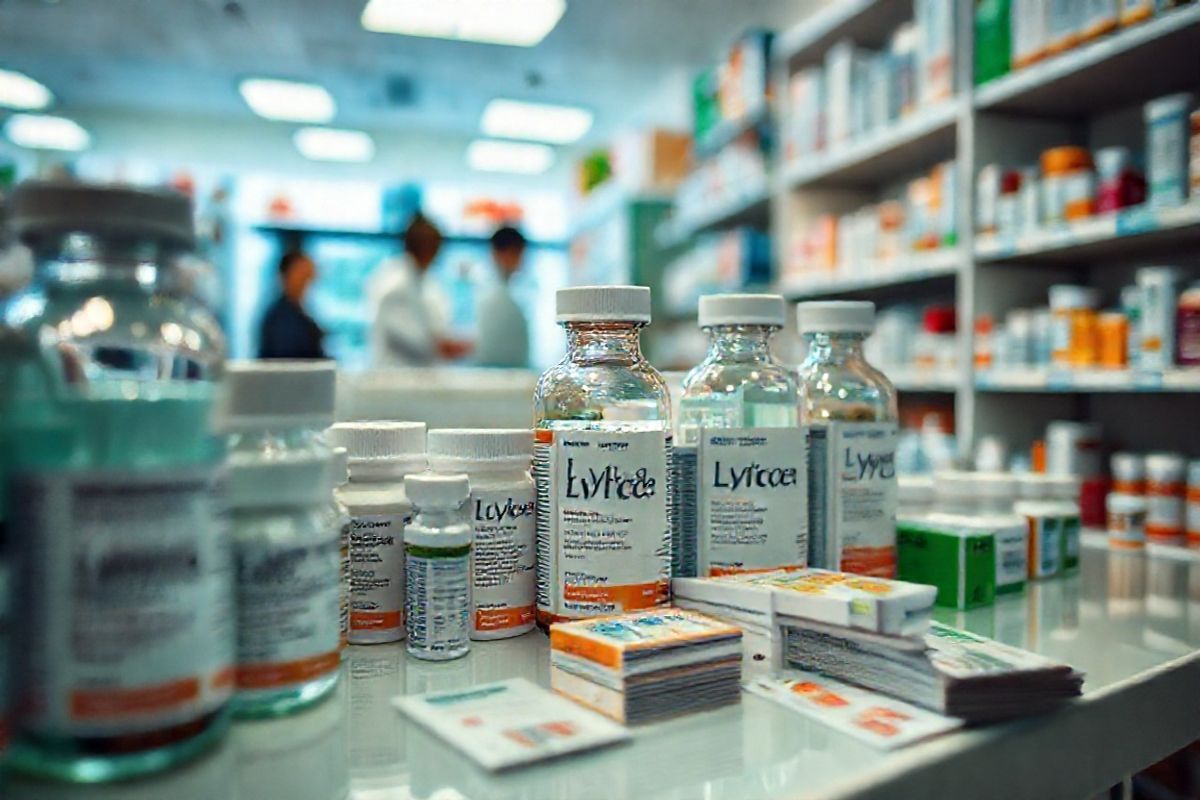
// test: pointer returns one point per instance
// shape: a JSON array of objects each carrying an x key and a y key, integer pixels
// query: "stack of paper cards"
[
  {"x": 955, "y": 672},
  {"x": 647, "y": 665},
  {"x": 508, "y": 723}
]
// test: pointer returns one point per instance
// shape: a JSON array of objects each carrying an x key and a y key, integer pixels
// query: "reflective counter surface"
[{"x": 1122, "y": 616}]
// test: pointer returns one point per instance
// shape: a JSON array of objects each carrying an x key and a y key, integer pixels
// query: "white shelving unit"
[{"x": 1091, "y": 95}]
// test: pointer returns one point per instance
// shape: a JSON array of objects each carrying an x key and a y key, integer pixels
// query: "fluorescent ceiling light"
[
  {"x": 44, "y": 132},
  {"x": 288, "y": 101},
  {"x": 523, "y": 158},
  {"x": 522, "y": 23},
  {"x": 539, "y": 122},
  {"x": 334, "y": 144},
  {"x": 18, "y": 90}
]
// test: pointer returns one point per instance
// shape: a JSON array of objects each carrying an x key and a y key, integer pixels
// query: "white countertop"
[{"x": 1131, "y": 623}]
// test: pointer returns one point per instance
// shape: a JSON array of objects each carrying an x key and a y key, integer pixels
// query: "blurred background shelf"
[
  {"x": 937, "y": 266},
  {"x": 1092, "y": 381},
  {"x": 867, "y": 22}
]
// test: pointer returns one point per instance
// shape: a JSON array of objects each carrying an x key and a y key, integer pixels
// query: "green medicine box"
[{"x": 961, "y": 564}]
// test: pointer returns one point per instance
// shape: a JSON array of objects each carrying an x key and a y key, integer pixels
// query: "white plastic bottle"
[
  {"x": 739, "y": 459},
  {"x": 341, "y": 517},
  {"x": 848, "y": 410},
  {"x": 602, "y": 454},
  {"x": 380, "y": 455},
  {"x": 503, "y": 513},
  {"x": 996, "y": 493},
  {"x": 1126, "y": 521},
  {"x": 437, "y": 567},
  {"x": 1193, "y": 503},
  {"x": 1165, "y": 491},
  {"x": 288, "y": 555}
]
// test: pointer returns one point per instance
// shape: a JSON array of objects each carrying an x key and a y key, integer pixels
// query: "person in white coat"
[
  {"x": 409, "y": 312},
  {"x": 503, "y": 329}
]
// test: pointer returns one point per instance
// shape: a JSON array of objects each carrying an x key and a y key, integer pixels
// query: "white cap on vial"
[
  {"x": 603, "y": 304},
  {"x": 1127, "y": 466},
  {"x": 742, "y": 309},
  {"x": 1066, "y": 295},
  {"x": 293, "y": 479},
  {"x": 836, "y": 316},
  {"x": 458, "y": 449},
  {"x": 429, "y": 490},
  {"x": 268, "y": 395},
  {"x": 381, "y": 448}
]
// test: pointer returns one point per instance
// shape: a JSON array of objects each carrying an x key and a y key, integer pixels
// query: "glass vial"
[
  {"x": 739, "y": 458},
  {"x": 602, "y": 452},
  {"x": 380, "y": 455},
  {"x": 848, "y": 410},
  {"x": 108, "y": 372},
  {"x": 502, "y": 510},
  {"x": 437, "y": 565}
]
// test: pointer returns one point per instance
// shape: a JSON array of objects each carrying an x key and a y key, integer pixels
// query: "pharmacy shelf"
[
  {"x": 922, "y": 381},
  {"x": 727, "y": 131},
  {"x": 916, "y": 140},
  {"x": 1088, "y": 381},
  {"x": 1109, "y": 237},
  {"x": 1124, "y": 620},
  {"x": 868, "y": 23},
  {"x": 935, "y": 267},
  {"x": 1117, "y": 70},
  {"x": 748, "y": 207}
]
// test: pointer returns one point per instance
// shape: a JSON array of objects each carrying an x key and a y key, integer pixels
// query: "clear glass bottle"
[
  {"x": 437, "y": 567},
  {"x": 741, "y": 495},
  {"x": 602, "y": 451},
  {"x": 288, "y": 556},
  {"x": 848, "y": 409},
  {"x": 108, "y": 373}
]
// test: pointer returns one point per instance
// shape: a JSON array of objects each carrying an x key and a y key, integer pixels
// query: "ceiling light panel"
[
  {"x": 288, "y": 101},
  {"x": 520, "y": 23},
  {"x": 539, "y": 122},
  {"x": 521, "y": 158},
  {"x": 44, "y": 132},
  {"x": 334, "y": 144},
  {"x": 18, "y": 90}
]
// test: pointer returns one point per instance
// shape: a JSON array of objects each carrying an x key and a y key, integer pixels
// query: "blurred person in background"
[
  {"x": 410, "y": 317},
  {"x": 503, "y": 329},
  {"x": 287, "y": 330}
]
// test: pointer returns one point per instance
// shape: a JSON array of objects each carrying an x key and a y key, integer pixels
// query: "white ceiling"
[{"x": 185, "y": 57}]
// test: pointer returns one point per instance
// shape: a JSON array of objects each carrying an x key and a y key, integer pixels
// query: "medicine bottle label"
[
  {"x": 344, "y": 581},
  {"x": 852, "y": 497},
  {"x": 503, "y": 561},
  {"x": 1193, "y": 515},
  {"x": 437, "y": 603},
  {"x": 1045, "y": 546},
  {"x": 1127, "y": 530},
  {"x": 1164, "y": 513},
  {"x": 128, "y": 591},
  {"x": 377, "y": 576},
  {"x": 288, "y": 606},
  {"x": 604, "y": 521},
  {"x": 746, "y": 506},
  {"x": 1012, "y": 558}
]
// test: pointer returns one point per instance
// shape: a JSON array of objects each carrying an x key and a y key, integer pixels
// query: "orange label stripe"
[
  {"x": 498, "y": 619},
  {"x": 269, "y": 676},
  {"x": 375, "y": 620},
  {"x": 103, "y": 703}
]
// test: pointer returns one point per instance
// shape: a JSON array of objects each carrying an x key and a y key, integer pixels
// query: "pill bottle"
[
  {"x": 1193, "y": 504},
  {"x": 1167, "y": 137},
  {"x": 1073, "y": 448},
  {"x": 1112, "y": 336},
  {"x": 742, "y": 493},
  {"x": 1120, "y": 185},
  {"x": 914, "y": 495},
  {"x": 274, "y": 406},
  {"x": 437, "y": 567},
  {"x": 1064, "y": 493},
  {"x": 287, "y": 548},
  {"x": 1044, "y": 525},
  {"x": 108, "y": 378},
  {"x": 1073, "y": 333},
  {"x": 340, "y": 475},
  {"x": 1159, "y": 292},
  {"x": 1068, "y": 185},
  {"x": 995, "y": 499},
  {"x": 1165, "y": 490},
  {"x": 1187, "y": 325},
  {"x": 602, "y": 457},
  {"x": 502, "y": 509},
  {"x": 848, "y": 410},
  {"x": 1126, "y": 521},
  {"x": 1128, "y": 474},
  {"x": 381, "y": 454}
]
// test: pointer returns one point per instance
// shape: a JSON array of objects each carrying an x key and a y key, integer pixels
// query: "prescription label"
[
  {"x": 503, "y": 560},
  {"x": 128, "y": 600},
  {"x": 604, "y": 521},
  {"x": 377, "y": 575}
]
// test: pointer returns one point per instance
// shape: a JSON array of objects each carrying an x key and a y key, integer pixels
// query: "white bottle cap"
[
  {"x": 1127, "y": 466},
  {"x": 341, "y": 466},
  {"x": 381, "y": 448},
  {"x": 456, "y": 449},
  {"x": 1064, "y": 487},
  {"x": 742, "y": 309},
  {"x": 265, "y": 395},
  {"x": 1033, "y": 486},
  {"x": 1065, "y": 295},
  {"x": 836, "y": 316},
  {"x": 1165, "y": 466},
  {"x": 1157, "y": 275},
  {"x": 603, "y": 304},
  {"x": 428, "y": 490},
  {"x": 288, "y": 479}
]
